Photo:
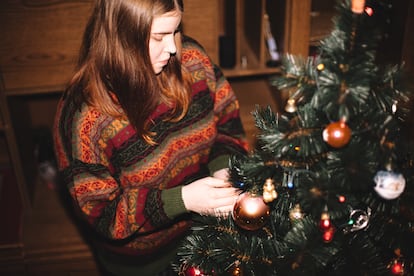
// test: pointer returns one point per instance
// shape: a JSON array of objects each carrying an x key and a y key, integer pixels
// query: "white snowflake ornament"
[{"x": 389, "y": 185}]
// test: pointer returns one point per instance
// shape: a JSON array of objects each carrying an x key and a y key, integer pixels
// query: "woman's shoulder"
[
  {"x": 191, "y": 43},
  {"x": 195, "y": 58},
  {"x": 193, "y": 51}
]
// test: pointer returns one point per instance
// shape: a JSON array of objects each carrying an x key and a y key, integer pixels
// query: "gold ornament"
[
  {"x": 269, "y": 191},
  {"x": 344, "y": 67},
  {"x": 291, "y": 106},
  {"x": 237, "y": 271},
  {"x": 296, "y": 213},
  {"x": 320, "y": 66}
]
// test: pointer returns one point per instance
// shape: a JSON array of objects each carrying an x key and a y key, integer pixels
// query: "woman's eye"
[{"x": 157, "y": 37}]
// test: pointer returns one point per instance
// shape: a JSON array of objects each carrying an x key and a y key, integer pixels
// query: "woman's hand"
[
  {"x": 210, "y": 196},
  {"x": 223, "y": 174}
]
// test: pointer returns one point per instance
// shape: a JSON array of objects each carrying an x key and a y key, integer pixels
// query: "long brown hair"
[{"x": 114, "y": 61}]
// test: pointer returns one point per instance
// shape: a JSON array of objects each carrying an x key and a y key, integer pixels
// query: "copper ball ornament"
[
  {"x": 250, "y": 212},
  {"x": 337, "y": 134}
]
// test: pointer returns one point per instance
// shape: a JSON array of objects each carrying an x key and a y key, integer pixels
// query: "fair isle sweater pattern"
[{"x": 116, "y": 179}]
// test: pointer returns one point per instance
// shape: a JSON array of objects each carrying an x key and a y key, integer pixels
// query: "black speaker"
[{"x": 227, "y": 53}]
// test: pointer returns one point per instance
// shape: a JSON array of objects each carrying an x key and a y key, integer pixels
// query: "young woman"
[{"x": 143, "y": 134}]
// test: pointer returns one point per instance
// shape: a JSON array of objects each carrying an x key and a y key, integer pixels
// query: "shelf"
[{"x": 245, "y": 72}]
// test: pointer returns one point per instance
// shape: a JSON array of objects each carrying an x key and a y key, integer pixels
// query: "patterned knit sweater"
[{"x": 130, "y": 191}]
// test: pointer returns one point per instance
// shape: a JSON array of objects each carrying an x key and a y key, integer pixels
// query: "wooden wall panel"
[
  {"x": 40, "y": 42},
  {"x": 201, "y": 21},
  {"x": 297, "y": 27}
]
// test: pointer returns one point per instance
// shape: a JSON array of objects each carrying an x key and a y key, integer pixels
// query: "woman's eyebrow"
[{"x": 178, "y": 29}]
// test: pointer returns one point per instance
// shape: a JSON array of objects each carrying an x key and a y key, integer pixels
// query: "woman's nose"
[{"x": 170, "y": 46}]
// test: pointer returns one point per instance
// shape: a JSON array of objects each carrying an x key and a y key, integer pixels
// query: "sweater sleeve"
[{"x": 173, "y": 202}]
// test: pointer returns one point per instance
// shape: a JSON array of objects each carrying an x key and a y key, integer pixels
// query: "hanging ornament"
[
  {"x": 296, "y": 213},
  {"x": 358, "y": 6},
  {"x": 236, "y": 269},
  {"x": 320, "y": 67},
  {"x": 326, "y": 226},
  {"x": 269, "y": 191},
  {"x": 396, "y": 266},
  {"x": 291, "y": 106},
  {"x": 358, "y": 220},
  {"x": 192, "y": 271},
  {"x": 250, "y": 212},
  {"x": 325, "y": 222},
  {"x": 344, "y": 67},
  {"x": 389, "y": 185},
  {"x": 337, "y": 134},
  {"x": 328, "y": 234}
]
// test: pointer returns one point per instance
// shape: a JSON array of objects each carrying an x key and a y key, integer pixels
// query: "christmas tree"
[{"x": 326, "y": 190}]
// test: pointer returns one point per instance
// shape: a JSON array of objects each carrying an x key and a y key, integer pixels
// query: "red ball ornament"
[
  {"x": 250, "y": 212},
  {"x": 193, "y": 271},
  {"x": 397, "y": 267},
  {"x": 337, "y": 134}
]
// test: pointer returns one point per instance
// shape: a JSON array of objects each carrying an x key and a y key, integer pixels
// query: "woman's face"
[{"x": 162, "y": 45}]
